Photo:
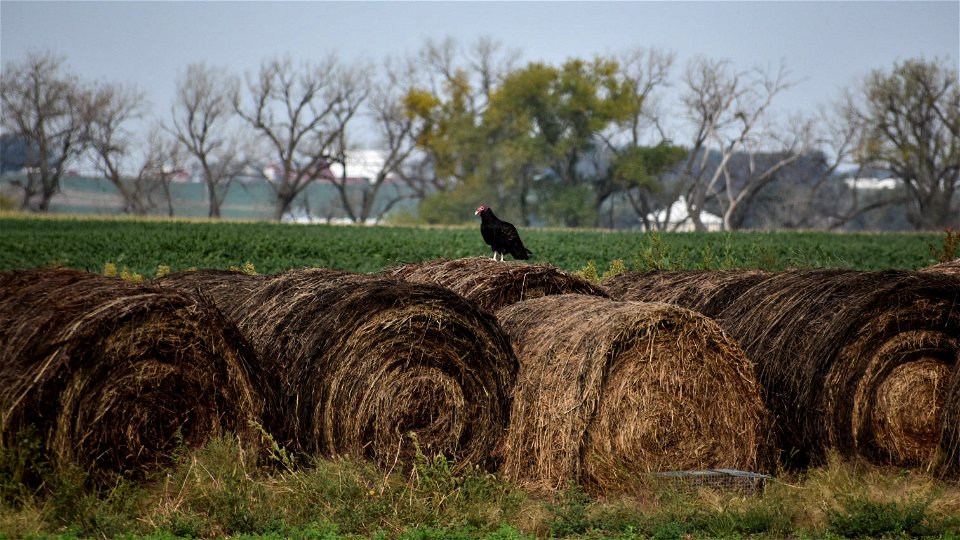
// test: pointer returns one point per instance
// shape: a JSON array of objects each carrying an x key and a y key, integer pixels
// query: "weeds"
[
  {"x": 22, "y": 465},
  {"x": 858, "y": 517},
  {"x": 588, "y": 272},
  {"x": 110, "y": 270},
  {"x": 950, "y": 249},
  {"x": 657, "y": 254},
  {"x": 247, "y": 268},
  {"x": 571, "y": 515},
  {"x": 224, "y": 489}
]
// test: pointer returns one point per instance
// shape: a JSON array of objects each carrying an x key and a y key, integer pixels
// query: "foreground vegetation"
[
  {"x": 142, "y": 245},
  {"x": 223, "y": 490}
]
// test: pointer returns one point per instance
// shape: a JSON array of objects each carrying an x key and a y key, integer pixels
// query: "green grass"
[
  {"x": 223, "y": 490},
  {"x": 142, "y": 245}
]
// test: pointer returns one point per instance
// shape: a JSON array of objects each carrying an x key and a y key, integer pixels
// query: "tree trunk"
[
  {"x": 214, "y": 200},
  {"x": 281, "y": 205}
]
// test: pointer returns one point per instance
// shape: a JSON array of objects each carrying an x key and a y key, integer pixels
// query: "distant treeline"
[{"x": 626, "y": 140}]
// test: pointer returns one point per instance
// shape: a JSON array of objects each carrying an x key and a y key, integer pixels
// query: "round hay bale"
[
  {"x": 115, "y": 376},
  {"x": 611, "y": 390},
  {"x": 708, "y": 292},
  {"x": 854, "y": 361},
  {"x": 911, "y": 398},
  {"x": 949, "y": 459},
  {"x": 949, "y": 267},
  {"x": 495, "y": 284},
  {"x": 371, "y": 367}
]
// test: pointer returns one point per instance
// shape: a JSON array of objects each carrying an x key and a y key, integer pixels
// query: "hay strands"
[
  {"x": 492, "y": 284},
  {"x": 371, "y": 367},
  {"x": 610, "y": 391},
  {"x": 116, "y": 376},
  {"x": 865, "y": 363}
]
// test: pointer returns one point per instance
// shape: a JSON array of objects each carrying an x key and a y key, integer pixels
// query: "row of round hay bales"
[
  {"x": 865, "y": 363},
  {"x": 115, "y": 376},
  {"x": 371, "y": 367},
  {"x": 610, "y": 390}
]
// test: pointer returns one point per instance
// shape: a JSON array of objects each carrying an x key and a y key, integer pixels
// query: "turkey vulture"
[{"x": 500, "y": 235}]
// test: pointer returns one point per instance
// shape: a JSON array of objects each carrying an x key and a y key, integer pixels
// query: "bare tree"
[
  {"x": 441, "y": 66},
  {"x": 164, "y": 158},
  {"x": 201, "y": 119},
  {"x": 395, "y": 138},
  {"x": 765, "y": 156},
  {"x": 727, "y": 109},
  {"x": 490, "y": 63},
  {"x": 646, "y": 72},
  {"x": 908, "y": 122},
  {"x": 821, "y": 201},
  {"x": 832, "y": 142},
  {"x": 41, "y": 105},
  {"x": 300, "y": 113},
  {"x": 109, "y": 109}
]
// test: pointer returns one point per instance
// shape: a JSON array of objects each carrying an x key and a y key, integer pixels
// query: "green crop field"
[{"x": 142, "y": 245}]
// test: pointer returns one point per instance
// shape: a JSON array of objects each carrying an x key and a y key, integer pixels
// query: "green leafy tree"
[
  {"x": 535, "y": 144},
  {"x": 636, "y": 172},
  {"x": 546, "y": 119},
  {"x": 446, "y": 129},
  {"x": 448, "y": 133}
]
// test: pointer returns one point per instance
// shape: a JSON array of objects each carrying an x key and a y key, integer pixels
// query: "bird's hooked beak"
[{"x": 480, "y": 208}]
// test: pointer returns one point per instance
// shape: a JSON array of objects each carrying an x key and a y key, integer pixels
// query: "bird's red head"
[{"x": 480, "y": 209}]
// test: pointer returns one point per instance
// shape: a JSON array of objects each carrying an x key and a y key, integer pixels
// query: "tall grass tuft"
[{"x": 949, "y": 250}]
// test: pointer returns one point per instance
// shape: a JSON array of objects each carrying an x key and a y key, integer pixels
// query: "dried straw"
[
  {"x": 861, "y": 362},
  {"x": 854, "y": 361},
  {"x": 116, "y": 376},
  {"x": 366, "y": 366},
  {"x": 494, "y": 284},
  {"x": 708, "y": 292},
  {"x": 949, "y": 267},
  {"x": 611, "y": 390},
  {"x": 949, "y": 458}
]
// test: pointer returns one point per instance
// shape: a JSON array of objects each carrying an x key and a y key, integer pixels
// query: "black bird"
[{"x": 500, "y": 235}]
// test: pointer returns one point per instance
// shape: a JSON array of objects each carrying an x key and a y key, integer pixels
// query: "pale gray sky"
[{"x": 826, "y": 45}]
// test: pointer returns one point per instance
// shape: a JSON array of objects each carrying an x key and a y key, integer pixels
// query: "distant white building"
[
  {"x": 365, "y": 164},
  {"x": 362, "y": 165},
  {"x": 872, "y": 183},
  {"x": 301, "y": 216},
  {"x": 678, "y": 219}
]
